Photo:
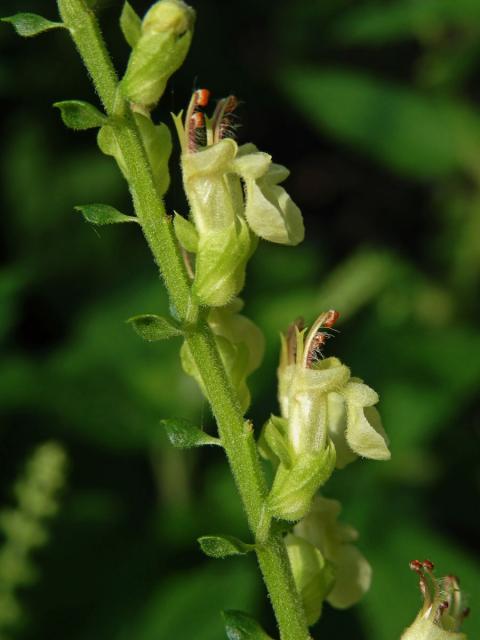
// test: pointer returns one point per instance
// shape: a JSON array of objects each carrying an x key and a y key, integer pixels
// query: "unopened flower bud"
[{"x": 165, "y": 39}]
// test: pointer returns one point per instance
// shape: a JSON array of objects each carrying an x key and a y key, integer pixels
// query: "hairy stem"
[{"x": 235, "y": 434}]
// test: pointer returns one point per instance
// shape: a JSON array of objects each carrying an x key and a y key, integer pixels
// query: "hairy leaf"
[
  {"x": 153, "y": 328},
  {"x": 101, "y": 214},
  {"x": 80, "y": 115},
  {"x": 183, "y": 434},
  {"x": 31, "y": 24},
  {"x": 223, "y": 546},
  {"x": 241, "y": 626}
]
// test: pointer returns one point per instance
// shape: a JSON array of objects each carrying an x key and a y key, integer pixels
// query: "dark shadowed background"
[{"x": 375, "y": 108}]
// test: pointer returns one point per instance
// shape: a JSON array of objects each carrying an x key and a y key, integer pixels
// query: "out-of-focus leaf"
[
  {"x": 241, "y": 626},
  {"x": 409, "y": 132},
  {"x": 101, "y": 214},
  {"x": 188, "y": 605},
  {"x": 31, "y": 24},
  {"x": 80, "y": 115},
  {"x": 380, "y": 23},
  {"x": 435, "y": 379},
  {"x": 153, "y": 328},
  {"x": 223, "y": 546},
  {"x": 183, "y": 434},
  {"x": 356, "y": 281},
  {"x": 11, "y": 282}
]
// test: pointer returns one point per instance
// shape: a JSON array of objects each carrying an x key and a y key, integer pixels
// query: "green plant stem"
[{"x": 235, "y": 434}]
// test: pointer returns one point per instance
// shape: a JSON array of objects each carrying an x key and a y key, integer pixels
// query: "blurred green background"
[{"x": 375, "y": 108}]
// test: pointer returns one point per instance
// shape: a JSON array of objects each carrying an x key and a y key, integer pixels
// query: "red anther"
[
  {"x": 198, "y": 119},
  {"x": 428, "y": 565},
  {"x": 202, "y": 96},
  {"x": 443, "y": 606},
  {"x": 416, "y": 565},
  {"x": 332, "y": 317}
]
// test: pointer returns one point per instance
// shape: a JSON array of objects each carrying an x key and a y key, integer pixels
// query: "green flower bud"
[
  {"x": 443, "y": 609},
  {"x": 166, "y": 34},
  {"x": 350, "y": 572},
  {"x": 240, "y": 343}
]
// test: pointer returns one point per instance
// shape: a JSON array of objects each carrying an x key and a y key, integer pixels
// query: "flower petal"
[
  {"x": 252, "y": 165},
  {"x": 365, "y": 435},
  {"x": 337, "y": 424},
  {"x": 212, "y": 160},
  {"x": 353, "y": 577},
  {"x": 272, "y": 214},
  {"x": 362, "y": 437},
  {"x": 313, "y": 576}
]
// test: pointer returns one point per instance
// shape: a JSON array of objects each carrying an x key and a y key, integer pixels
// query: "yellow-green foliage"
[{"x": 23, "y": 526}]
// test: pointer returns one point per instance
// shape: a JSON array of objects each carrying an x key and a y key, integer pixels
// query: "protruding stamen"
[
  {"x": 442, "y": 597},
  {"x": 223, "y": 123},
  {"x": 196, "y": 131},
  {"x": 316, "y": 339},
  {"x": 195, "y": 120}
]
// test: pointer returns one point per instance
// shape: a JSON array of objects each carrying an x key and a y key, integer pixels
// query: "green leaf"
[
  {"x": 183, "y": 434},
  {"x": 186, "y": 233},
  {"x": 380, "y": 23},
  {"x": 223, "y": 546},
  {"x": 80, "y": 115},
  {"x": 130, "y": 24},
  {"x": 30, "y": 24},
  {"x": 153, "y": 328},
  {"x": 241, "y": 626},
  {"x": 399, "y": 127},
  {"x": 101, "y": 214}
]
